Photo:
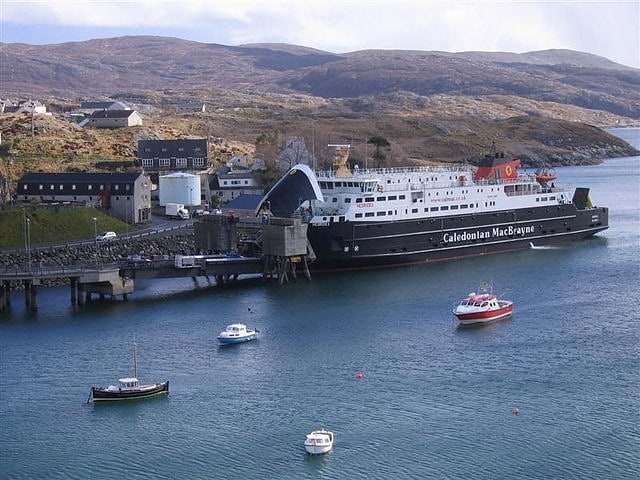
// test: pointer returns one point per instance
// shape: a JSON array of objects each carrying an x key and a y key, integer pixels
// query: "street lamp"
[
  {"x": 95, "y": 239},
  {"x": 28, "y": 240}
]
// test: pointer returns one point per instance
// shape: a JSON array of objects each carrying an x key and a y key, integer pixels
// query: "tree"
[{"x": 379, "y": 142}]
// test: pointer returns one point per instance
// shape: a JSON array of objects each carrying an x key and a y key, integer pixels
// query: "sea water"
[{"x": 376, "y": 357}]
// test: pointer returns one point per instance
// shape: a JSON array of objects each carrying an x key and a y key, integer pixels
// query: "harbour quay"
[{"x": 229, "y": 247}]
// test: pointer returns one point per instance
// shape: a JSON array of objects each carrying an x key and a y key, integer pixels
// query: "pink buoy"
[
  {"x": 516, "y": 411},
  {"x": 360, "y": 375}
]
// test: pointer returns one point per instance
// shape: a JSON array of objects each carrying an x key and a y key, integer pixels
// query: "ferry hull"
[{"x": 350, "y": 245}]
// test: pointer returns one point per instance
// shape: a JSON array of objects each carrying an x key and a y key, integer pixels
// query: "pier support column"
[
  {"x": 33, "y": 294},
  {"x": 73, "y": 284},
  {"x": 27, "y": 292},
  {"x": 5, "y": 296},
  {"x": 82, "y": 295}
]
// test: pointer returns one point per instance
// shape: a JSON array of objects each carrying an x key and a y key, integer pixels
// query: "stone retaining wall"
[{"x": 116, "y": 251}]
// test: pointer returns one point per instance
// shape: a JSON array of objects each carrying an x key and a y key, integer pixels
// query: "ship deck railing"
[{"x": 394, "y": 170}]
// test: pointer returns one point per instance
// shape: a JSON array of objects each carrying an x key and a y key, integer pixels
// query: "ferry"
[{"x": 361, "y": 217}]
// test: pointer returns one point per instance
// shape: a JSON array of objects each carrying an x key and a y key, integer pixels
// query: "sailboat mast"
[{"x": 135, "y": 360}]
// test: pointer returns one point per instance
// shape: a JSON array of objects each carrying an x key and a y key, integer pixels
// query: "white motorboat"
[
  {"x": 319, "y": 441},
  {"x": 237, "y": 333}
]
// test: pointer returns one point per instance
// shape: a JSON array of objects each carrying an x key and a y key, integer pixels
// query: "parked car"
[
  {"x": 105, "y": 236},
  {"x": 138, "y": 260}
]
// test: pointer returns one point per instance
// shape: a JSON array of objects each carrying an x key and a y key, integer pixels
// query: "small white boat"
[
  {"x": 482, "y": 307},
  {"x": 237, "y": 333},
  {"x": 319, "y": 441}
]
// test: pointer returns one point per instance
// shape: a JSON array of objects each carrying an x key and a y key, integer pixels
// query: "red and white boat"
[{"x": 482, "y": 307}]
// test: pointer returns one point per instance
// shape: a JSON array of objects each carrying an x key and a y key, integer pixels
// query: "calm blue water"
[{"x": 435, "y": 402}]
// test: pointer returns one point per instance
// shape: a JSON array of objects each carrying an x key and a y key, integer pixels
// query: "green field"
[{"x": 53, "y": 225}]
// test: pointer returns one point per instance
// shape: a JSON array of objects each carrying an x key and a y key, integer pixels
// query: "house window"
[
  {"x": 181, "y": 162},
  {"x": 89, "y": 187},
  {"x": 147, "y": 162},
  {"x": 116, "y": 187},
  {"x": 164, "y": 162},
  {"x": 51, "y": 187},
  {"x": 198, "y": 162},
  {"x": 73, "y": 187},
  {"x": 61, "y": 187},
  {"x": 127, "y": 187},
  {"x": 24, "y": 187}
]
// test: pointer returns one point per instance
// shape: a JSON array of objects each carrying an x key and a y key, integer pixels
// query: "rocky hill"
[{"x": 431, "y": 106}]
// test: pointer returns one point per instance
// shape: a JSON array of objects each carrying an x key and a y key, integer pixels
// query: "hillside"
[
  {"x": 431, "y": 106},
  {"x": 144, "y": 65}
]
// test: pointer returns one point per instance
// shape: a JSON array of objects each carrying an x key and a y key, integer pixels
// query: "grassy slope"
[{"x": 51, "y": 225}]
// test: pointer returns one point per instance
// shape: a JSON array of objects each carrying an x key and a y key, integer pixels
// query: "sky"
[{"x": 610, "y": 29}]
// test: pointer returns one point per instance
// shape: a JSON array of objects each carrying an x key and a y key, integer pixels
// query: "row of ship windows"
[
  {"x": 332, "y": 185},
  {"x": 391, "y": 198},
  {"x": 166, "y": 162},
  {"x": 402, "y": 197},
  {"x": 430, "y": 209},
  {"x": 436, "y": 209},
  {"x": 127, "y": 187}
]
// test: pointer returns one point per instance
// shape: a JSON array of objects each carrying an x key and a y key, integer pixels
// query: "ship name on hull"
[{"x": 495, "y": 232}]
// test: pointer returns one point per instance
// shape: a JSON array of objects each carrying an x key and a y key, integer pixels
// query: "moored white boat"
[
  {"x": 319, "y": 441},
  {"x": 237, "y": 333},
  {"x": 482, "y": 307}
]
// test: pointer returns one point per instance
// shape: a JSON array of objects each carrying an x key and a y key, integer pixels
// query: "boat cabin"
[
  {"x": 131, "y": 382},
  {"x": 482, "y": 301},
  {"x": 236, "y": 329}
]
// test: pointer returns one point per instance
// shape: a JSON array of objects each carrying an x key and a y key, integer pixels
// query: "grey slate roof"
[{"x": 112, "y": 114}]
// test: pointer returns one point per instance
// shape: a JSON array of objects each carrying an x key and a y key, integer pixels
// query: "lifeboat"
[{"x": 545, "y": 175}]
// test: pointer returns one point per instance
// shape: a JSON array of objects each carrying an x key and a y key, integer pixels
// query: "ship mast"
[
  {"x": 135, "y": 360},
  {"x": 340, "y": 160}
]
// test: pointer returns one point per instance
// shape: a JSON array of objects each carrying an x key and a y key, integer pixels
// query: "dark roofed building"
[
  {"x": 188, "y": 154},
  {"x": 243, "y": 205},
  {"x": 114, "y": 119},
  {"x": 126, "y": 196}
]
